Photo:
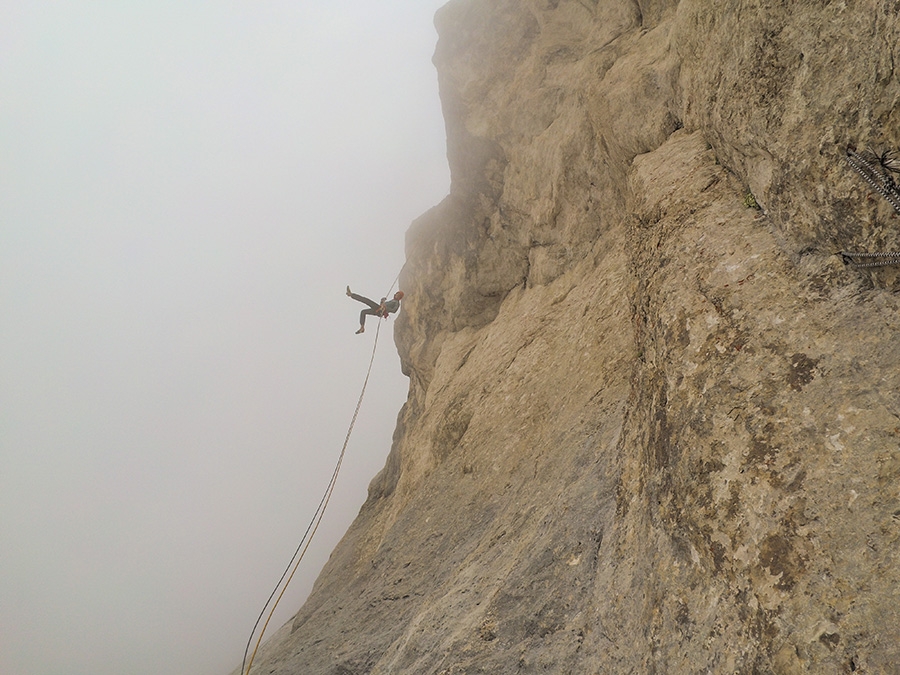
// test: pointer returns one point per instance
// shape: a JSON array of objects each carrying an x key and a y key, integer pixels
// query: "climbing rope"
[{"x": 294, "y": 563}]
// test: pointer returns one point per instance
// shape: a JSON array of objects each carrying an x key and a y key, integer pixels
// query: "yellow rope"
[{"x": 313, "y": 525}]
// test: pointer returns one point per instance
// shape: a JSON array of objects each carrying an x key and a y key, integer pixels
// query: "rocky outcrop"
[{"x": 653, "y": 423}]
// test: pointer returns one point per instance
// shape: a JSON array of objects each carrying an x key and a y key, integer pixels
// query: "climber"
[{"x": 375, "y": 309}]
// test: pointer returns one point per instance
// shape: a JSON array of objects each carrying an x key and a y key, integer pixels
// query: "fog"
[{"x": 186, "y": 189}]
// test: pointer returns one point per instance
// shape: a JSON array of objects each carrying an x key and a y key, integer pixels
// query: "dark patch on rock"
[
  {"x": 802, "y": 371},
  {"x": 830, "y": 640},
  {"x": 719, "y": 556},
  {"x": 453, "y": 427},
  {"x": 776, "y": 553}
]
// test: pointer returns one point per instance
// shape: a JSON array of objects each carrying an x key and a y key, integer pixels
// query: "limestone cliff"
[{"x": 653, "y": 422}]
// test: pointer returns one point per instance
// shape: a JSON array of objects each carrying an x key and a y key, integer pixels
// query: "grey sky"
[{"x": 186, "y": 188}]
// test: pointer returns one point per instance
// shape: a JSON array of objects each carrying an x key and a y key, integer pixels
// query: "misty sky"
[{"x": 186, "y": 189}]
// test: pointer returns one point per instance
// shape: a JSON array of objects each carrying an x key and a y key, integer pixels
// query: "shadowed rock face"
[{"x": 650, "y": 429}]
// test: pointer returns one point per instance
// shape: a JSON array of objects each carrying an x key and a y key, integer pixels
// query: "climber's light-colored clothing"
[{"x": 390, "y": 306}]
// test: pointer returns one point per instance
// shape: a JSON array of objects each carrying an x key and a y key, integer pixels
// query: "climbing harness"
[
  {"x": 876, "y": 170},
  {"x": 294, "y": 563}
]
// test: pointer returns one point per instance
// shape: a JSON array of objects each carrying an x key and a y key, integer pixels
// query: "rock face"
[{"x": 653, "y": 422}]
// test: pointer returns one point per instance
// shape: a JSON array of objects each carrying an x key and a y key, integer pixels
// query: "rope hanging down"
[{"x": 294, "y": 563}]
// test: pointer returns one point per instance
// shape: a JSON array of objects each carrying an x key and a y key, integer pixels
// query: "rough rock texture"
[{"x": 651, "y": 427}]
